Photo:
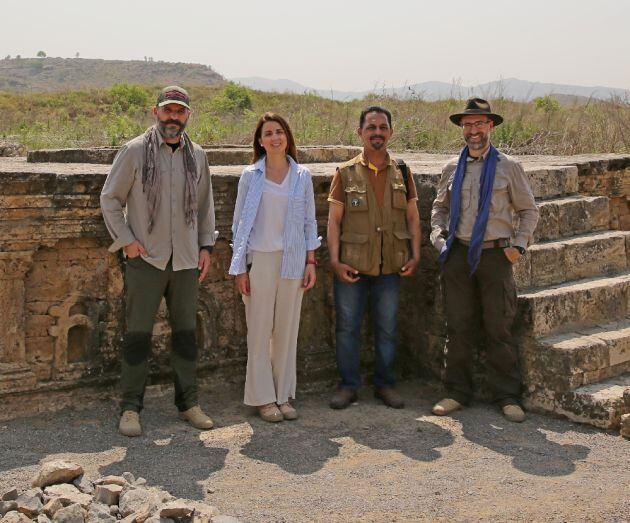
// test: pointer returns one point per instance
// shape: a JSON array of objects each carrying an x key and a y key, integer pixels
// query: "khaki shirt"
[
  {"x": 511, "y": 195},
  {"x": 125, "y": 208}
]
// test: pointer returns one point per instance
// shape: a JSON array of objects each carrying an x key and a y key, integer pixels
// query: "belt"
[{"x": 490, "y": 244}]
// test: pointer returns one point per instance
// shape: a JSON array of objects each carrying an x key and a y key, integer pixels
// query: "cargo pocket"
[
  {"x": 354, "y": 250},
  {"x": 399, "y": 195},
  {"x": 401, "y": 248},
  {"x": 356, "y": 199}
]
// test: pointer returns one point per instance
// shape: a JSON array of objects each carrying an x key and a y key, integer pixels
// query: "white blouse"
[{"x": 268, "y": 229}]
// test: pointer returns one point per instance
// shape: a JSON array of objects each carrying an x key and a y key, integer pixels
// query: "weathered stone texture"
[{"x": 64, "y": 313}]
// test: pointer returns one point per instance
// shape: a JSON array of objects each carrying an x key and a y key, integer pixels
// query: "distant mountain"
[
  {"x": 512, "y": 88},
  {"x": 55, "y": 74}
]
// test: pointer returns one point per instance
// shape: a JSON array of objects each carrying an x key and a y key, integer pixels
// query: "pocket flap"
[
  {"x": 354, "y": 237},
  {"x": 355, "y": 188},
  {"x": 402, "y": 235}
]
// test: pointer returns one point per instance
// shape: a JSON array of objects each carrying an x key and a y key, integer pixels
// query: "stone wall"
[{"x": 61, "y": 292}]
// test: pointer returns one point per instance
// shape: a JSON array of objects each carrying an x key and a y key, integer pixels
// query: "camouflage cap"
[{"x": 173, "y": 94}]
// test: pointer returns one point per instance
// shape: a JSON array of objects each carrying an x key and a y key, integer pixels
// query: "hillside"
[{"x": 57, "y": 74}]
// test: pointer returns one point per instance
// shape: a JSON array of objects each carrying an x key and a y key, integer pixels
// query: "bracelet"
[{"x": 312, "y": 262}]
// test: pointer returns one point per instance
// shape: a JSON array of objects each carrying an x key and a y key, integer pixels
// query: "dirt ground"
[{"x": 366, "y": 463}]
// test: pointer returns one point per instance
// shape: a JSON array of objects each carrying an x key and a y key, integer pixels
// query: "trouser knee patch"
[
  {"x": 136, "y": 347},
  {"x": 185, "y": 345}
]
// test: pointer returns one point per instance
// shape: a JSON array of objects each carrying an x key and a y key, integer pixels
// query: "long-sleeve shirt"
[
  {"x": 126, "y": 214},
  {"x": 300, "y": 229},
  {"x": 511, "y": 194}
]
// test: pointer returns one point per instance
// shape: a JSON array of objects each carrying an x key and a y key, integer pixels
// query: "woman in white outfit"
[{"x": 275, "y": 236}]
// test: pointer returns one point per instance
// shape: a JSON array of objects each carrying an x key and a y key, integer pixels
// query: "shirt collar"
[
  {"x": 363, "y": 160},
  {"x": 161, "y": 140},
  {"x": 480, "y": 158}
]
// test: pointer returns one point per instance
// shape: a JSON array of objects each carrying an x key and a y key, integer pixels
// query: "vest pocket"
[
  {"x": 354, "y": 250},
  {"x": 356, "y": 199},
  {"x": 399, "y": 195},
  {"x": 401, "y": 248}
]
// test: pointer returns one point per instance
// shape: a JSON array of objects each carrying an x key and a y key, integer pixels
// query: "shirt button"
[{"x": 379, "y": 229}]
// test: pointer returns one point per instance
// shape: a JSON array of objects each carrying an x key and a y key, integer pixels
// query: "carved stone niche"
[{"x": 76, "y": 335}]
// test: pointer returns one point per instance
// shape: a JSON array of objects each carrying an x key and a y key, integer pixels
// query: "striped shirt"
[{"x": 300, "y": 228}]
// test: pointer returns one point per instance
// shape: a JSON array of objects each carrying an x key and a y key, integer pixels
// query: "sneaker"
[
  {"x": 513, "y": 413},
  {"x": 130, "y": 424},
  {"x": 446, "y": 406},
  {"x": 343, "y": 398},
  {"x": 390, "y": 397},
  {"x": 270, "y": 412},
  {"x": 196, "y": 417},
  {"x": 287, "y": 410}
]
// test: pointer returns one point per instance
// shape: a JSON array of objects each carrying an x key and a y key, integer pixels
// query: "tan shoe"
[
  {"x": 446, "y": 406},
  {"x": 513, "y": 413},
  {"x": 270, "y": 412},
  {"x": 288, "y": 412},
  {"x": 129, "y": 424},
  {"x": 196, "y": 417}
]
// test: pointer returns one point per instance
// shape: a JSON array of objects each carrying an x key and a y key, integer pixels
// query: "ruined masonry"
[{"x": 61, "y": 309}]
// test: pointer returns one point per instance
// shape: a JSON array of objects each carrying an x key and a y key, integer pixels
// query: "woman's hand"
[
  {"x": 242, "y": 284},
  {"x": 310, "y": 277}
]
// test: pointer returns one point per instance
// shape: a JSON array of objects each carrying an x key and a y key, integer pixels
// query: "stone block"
[
  {"x": 68, "y": 494},
  {"x": 71, "y": 514},
  {"x": 29, "y": 502},
  {"x": 107, "y": 494}
]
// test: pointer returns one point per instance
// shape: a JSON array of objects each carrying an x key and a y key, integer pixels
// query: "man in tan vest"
[{"x": 372, "y": 221}]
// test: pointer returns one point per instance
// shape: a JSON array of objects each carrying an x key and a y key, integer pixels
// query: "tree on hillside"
[
  {"x": 76, "y": 55},
  {"x": 41, "y": 54}
]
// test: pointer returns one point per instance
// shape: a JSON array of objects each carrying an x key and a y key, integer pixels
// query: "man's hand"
[
  {"x": 345, "y": 273},
  {"x": 204, "y": 264},
  {"x": 512, "y": 254},
  {"x": 410, "y": 267},
  {"x": 309, "y": 277},
  {"x": 134, "y": 249},
  {"x": 242, "y": 284}
]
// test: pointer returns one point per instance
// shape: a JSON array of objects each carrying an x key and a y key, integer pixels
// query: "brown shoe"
[
  {"x": 343, "y": 398},
  {"x": 130, "y": 424},
  {"x": 270, "y": 412},
  {"x": 196, "y": 417},
  {"x": 390, "y": 397},
  {"x": 287, "y": 410}
]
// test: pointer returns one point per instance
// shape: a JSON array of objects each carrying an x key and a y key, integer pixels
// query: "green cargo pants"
[{"x": 145, "y": 287}]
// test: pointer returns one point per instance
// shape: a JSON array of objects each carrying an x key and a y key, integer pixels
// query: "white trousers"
[{"x": 273, "y": 318}]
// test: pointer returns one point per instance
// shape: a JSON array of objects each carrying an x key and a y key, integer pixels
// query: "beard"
[
  {"x": 377, "y": 142},
  {"x": 168, "y": 131},
  {"x": 478, "y": 145}
]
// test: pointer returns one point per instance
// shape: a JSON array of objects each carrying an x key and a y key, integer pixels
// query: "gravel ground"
[{"x": 366, "y": 463}]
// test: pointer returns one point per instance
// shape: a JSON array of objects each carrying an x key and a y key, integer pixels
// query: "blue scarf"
[{"x": 483, "y": 211}]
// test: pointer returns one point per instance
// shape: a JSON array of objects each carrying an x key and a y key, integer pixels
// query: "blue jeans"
[{"x": 350, "y": 298}]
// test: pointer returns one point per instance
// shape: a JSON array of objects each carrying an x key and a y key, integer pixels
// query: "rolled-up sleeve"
[
  {"x": 310, "y": 220},
  {"x": 205, "y": 206},
  {"x": 524, "y": 206},
  {"x": 441, "y": 209},
  {"x": 114, "y": 198}
]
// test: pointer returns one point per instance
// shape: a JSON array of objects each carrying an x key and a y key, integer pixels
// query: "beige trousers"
[{"x": 273, "y": 318}]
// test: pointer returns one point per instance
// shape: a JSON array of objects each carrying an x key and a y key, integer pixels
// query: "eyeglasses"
[{"x": 476, "y": 125}]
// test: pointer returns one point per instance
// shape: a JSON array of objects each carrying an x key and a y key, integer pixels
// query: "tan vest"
[{"x": 371, "y": 236}]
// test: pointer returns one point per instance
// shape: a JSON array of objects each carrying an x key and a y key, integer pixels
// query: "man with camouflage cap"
[{"x": 157, "y": 205}]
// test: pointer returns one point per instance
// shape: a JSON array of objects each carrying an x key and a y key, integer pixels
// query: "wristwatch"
[
  {"x": 207, "y": 248},
  {"x": 520, "y": 249}
]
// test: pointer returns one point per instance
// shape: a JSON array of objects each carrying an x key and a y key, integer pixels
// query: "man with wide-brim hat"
[
  {"x": 158, "y": 208},
  {"x": 480, "y": 193}
]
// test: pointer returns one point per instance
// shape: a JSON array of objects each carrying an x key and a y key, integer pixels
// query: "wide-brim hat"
[
  {"x": 476, "y": 106},
  {"x": 173, "y": 94}
]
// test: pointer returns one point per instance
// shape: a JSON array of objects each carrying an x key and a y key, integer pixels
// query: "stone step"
[
  {"x": 571, "y": 216},
  {"x": 567, "y": 361},
  {"x": 574, "y": 305},
  {"x": 599, "y": 404},
  {"x": 585, "y": 256}
]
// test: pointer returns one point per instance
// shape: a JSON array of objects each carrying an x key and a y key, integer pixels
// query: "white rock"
[
  {"x": 111, "y": 480},
  {"x": 68, "y": 494},
  {"x": 180, "y": 508},
  {"x": 15, "y": 517},
  {"x": 107, "y": 494},
  {"x": 57, "y": 471},
  {"x": 137, "y": 500}
]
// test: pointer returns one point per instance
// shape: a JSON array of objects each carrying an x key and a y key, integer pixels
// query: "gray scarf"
[{"x": 151, "y": 179}]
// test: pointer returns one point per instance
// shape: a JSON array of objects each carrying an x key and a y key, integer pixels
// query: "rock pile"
[
  {"x": 11, "y": 148},
  {"x": 62, "y": 494}
]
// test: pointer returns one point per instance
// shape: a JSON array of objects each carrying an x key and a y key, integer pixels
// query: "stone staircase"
[{"x": 574, "y": 306}]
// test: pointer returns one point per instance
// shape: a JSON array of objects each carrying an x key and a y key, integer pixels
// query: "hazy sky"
[{"x": 341, "y": 44}]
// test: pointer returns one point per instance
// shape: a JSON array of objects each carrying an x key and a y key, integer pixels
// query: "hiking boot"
[
  {"x": 446, "y": 406},
  {"x": 390, "y": 397},
  {"x": 343, "y": 398},
  {"x": 287, "y": 410},
  {"x": 196, "y": 417},
  {"x": 129, "y": 424},
  {"x": 513, "y": 413},
  {"x": 270, "y": 412}
]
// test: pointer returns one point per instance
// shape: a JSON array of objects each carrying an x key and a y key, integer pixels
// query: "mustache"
[
  {"x": 171, "y": 122},
  {"x": 377, "y": 136}
]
